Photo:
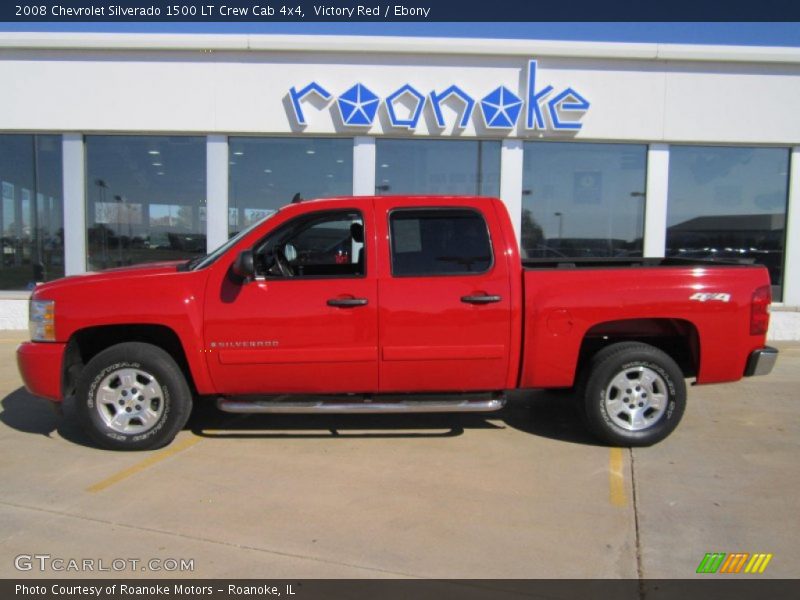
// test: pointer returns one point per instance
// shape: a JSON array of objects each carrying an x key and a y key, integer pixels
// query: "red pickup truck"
[{"x": 391, "y": 304}]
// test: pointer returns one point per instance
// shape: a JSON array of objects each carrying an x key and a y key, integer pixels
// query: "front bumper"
[
  {"x": 41, "y": 366},
  {"x": 761, "y": 361}
]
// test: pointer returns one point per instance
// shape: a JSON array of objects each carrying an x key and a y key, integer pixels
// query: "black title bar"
[
  {"x": 710, "y": 588},
  {"x": 254, "y": 11}
]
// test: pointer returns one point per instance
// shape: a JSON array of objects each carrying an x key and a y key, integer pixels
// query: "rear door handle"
[
  {"x": 347, "y": 302},
  {"x": 481, "y": 299}
]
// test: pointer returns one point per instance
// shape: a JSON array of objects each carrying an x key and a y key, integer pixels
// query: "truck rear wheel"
[
  {"x": 133, "y": 396},
  {"x": 634, "y": 394}
]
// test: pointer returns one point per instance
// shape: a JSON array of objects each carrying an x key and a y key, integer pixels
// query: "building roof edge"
[{"x": 397, "y": 45}]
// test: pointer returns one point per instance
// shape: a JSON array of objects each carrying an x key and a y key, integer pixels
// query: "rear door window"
[{"x": 440, "y": 241}]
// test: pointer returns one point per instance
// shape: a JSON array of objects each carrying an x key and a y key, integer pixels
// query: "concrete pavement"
[{"x": 524, "y": 493}]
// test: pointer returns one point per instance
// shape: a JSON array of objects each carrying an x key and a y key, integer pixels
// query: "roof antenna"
[{"x": 297, "y": 198}]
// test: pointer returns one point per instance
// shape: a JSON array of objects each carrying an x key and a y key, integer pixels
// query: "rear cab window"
[{"x": 439, "y": 241}]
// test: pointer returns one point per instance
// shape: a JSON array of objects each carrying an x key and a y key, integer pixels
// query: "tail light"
[{"x": 759, "y": 310}]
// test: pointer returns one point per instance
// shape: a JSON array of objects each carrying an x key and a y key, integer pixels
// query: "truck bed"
[{"x": 568, "y": 301}]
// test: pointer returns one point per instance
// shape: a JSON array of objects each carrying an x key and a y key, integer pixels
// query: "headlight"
[{"x": 41, "y": 320}]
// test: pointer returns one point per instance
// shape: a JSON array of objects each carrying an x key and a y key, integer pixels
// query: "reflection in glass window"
[
  {"x": 32, "y": 216},
  {"x": 729, "y": 203},
  {"x": 267, "y": 173},
  {"x": 324, "y": 244},
  {"x": 439, "y": 242},
  {"x": 145, "y": 199},
  {"x": 583, "y": 200},
  {"x": 464, "y": 167}
]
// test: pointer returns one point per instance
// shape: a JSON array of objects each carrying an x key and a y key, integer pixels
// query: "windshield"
[{"x": 202, "y": 262}]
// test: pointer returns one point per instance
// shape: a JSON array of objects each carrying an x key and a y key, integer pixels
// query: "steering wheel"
[{"x": 282, "y": 263}]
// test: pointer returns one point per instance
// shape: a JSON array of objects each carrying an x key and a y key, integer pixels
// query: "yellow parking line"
[
  {"x": 141, "y": 466},
  {"x": 616, "y": 478}
]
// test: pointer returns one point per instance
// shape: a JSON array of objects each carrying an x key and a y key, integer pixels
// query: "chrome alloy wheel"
[
  {"x": 636, "y": 398},
  {"x": 130, "y": 401}
]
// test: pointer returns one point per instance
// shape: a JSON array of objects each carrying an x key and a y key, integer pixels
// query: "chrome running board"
[{"x": 436, "y": 404}]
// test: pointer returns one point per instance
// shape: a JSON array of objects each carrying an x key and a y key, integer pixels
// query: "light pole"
[
  {"x": 118, "y": 198},
  {"x": 102, "y": 186},
  {"x": 560, "y": 223},
  {"x": 639, "y": 216}
]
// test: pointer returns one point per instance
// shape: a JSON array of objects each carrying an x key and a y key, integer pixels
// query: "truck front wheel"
[
  {"x": 133, "y": 396},
  {"x": 634, "y": 394}
]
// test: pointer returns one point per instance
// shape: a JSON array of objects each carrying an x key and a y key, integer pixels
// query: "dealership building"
[{"x": 119, "y": 149}]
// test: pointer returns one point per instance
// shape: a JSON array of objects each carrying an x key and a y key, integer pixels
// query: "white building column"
[
  {"x": 216, "y": 191},
  {"x": 73, "y": 160},
  {"x": 791, "y": 265},
  {"x": 511, "y": 167},
  {"x": 655, "y": 210},
  {"x": 363, "y": 166}
]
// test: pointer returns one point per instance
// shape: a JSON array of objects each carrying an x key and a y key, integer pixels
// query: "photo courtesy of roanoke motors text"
[
  {"x": 156, "y": 589},
  {"x": 334, "y": 300}
]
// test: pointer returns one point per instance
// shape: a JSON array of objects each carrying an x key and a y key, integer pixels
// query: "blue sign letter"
[
  {"x": 411, "y": 122},
  {"x": 501, "y": 108},
  {"x": 358, "y": 106},
  {"x": 437, "y": 99},
  {"x": 567, "y": 101},
  {"x": 535, "y": 117},
  {"x": 311, "y": 88}
]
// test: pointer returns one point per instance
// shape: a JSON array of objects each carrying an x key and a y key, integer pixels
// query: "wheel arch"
[
  {"x": 678, "y": 338},
  {"x": 86, "y": 343}
]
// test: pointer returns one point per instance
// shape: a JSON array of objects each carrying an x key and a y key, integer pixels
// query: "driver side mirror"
[{"x": 244, "y": 265}]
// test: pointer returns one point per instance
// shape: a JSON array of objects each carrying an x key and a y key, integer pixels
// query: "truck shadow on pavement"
[
  {"x": 30, "y": 414},
  {"x": 550, "y": 414}
]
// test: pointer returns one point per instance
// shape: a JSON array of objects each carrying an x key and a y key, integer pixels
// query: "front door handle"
[
  {"x": 481, "y": 299},
  {"x": 347, "y": 302}
]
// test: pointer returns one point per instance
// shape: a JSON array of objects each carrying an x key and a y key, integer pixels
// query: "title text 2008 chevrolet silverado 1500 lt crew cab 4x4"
[{"x": 391, "y": 304}]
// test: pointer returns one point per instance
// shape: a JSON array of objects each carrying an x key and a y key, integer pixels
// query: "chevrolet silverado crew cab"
[{"x": 391, "y": 304}]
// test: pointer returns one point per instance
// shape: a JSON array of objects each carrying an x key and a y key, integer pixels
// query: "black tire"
[
  {"x": 623, "y": 417},
  {"x": 166, "y": 411}
]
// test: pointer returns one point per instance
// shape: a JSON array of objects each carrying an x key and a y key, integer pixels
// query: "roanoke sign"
[{"x": 541, "y": 108}]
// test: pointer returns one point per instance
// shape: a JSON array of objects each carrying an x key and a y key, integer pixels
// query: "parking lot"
[{"x": 524, "y": 493}]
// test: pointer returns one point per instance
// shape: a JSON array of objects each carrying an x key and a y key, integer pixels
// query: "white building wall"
[
  {"x": 655, "y": 214},
  {"x": 13, "y": 311},
  {"x": 247, "y": 93},
  {"x": 216, "y": 191},
  {"x": 364, "y": 166},
  {"x": 74, "y": 175},
  {"x": 737, "y": 104},
  {"x": 220, "y": 85},
  {"x": 511, "y": 168},
  {"x": 791, "y": 265}
]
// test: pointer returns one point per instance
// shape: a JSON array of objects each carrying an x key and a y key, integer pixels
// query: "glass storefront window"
[
  {"x": 145, "y": 199},
  {"x": 466, "y": 167},
  {"x": 267, "y": 173},
  {"x": 729, "y": 203},
  {"x": 32, "y": 215},
  {"x": 583, "y": 199}
]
